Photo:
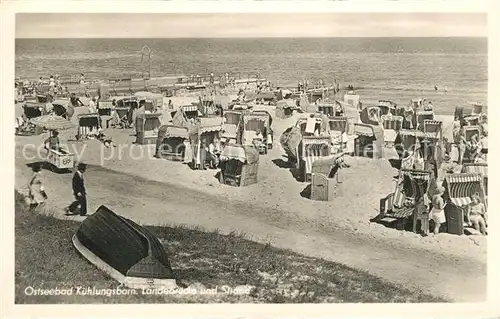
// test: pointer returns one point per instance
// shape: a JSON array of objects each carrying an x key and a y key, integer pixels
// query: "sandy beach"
[{"x": 157, "y": 192}]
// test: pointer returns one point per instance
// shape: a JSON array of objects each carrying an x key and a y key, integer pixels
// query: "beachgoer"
[
  {"x": 420, "y": 102},
  {"x": 217, "y": 147},
  {"x": 18, "y": 124},
  {"x": 49, "y": 108},
  {"x": 79, "y": 191},
  {"x": 484, "y": 124},
  {"x": 92, "y": 106},
  {"x": 338, "y": 109},
  {"x": 259, "y": 136},
  {"x": 476, "y": 214},
  {"x": 435, "y": 88},
  {"x": 408, "y": 113},
  {"x": 75, "y": 101},
  {"x": 456, "y": 130},
  {"x": 53, "y": 141},
  {"x": 82, "y": 79},
  {"x": 203, "y": 155},
  {"x": 474, "y": 146},
  {"x": 483, "y": 143},
  {"x": 446, "y": 168},
  {"x": 170, "y": 105},
  {"x": 437, "y": 212},
  {"x": 407, "y": 162},
  {"x": 481, "y": 151},
  {"x": 258, "y": 139},
  {"x": 429, "y": 107},
  {"x": 52, "y": 82},
  {"x": 40, "y": 81},
  {"x": 462, "y": 147},
  {"x": 36, "y": 190},
  {"x": 213, "y": 158},
  {"x": 419, "y": 162}
]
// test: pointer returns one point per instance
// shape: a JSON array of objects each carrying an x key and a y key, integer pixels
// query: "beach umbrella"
[{"x": 52, "y": 122}]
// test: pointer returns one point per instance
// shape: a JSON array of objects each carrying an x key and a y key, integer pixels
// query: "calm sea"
[{"x": 382, "y": 68}]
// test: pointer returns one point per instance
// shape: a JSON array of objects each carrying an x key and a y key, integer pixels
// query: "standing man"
[{"x": 79, "y": 191}]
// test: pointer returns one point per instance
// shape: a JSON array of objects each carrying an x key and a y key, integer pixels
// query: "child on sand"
[
  {"x": 476, "y": 214},
  {"x": 37, "y": 193},
  {"x": 437, "y": 212}
]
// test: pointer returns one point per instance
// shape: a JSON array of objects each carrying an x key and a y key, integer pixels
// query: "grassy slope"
[{"x": 46, "y": 258}]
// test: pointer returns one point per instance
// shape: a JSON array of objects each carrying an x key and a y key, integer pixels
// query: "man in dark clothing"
[{"x": 79, "y": 191}]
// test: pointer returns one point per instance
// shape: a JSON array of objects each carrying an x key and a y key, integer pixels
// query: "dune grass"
[{"x": 45, "y": 258}]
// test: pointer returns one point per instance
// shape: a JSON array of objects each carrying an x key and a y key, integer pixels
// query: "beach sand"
[{"x": 278, "y": 207}]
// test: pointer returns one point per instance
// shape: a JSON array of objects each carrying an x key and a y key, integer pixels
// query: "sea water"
[{"x": 397, "y": 69}]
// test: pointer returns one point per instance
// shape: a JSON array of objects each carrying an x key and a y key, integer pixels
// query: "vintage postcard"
[{"x": 269, "y": 157}]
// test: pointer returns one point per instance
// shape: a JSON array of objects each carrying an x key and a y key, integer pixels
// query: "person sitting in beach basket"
[
  {"x": 429, "y": 107},
  {"x": 483, "y": 143},
  {"x": 258, "y": 139},
  {"x": 477, "y": 215},
  {"x": 407, "y": 161},
  {"x": 212, "y": 156}
]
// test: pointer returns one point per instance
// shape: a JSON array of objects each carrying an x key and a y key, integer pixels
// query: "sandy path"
[
  {"x": 161, "y": 192},
  {"x": 157, "y": 203}
]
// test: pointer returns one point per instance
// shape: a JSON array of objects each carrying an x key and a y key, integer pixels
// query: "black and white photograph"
[{"x": 250, "y": 158}]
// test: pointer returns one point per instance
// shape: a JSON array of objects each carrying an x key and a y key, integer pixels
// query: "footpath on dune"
[{"x": 155, "y": 203}]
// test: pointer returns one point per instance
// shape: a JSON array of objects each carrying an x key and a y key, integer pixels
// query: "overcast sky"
[{"x": 164, "y": 25}]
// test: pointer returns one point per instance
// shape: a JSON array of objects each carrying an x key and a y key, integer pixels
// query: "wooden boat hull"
[{"x": 125, "y": 251}]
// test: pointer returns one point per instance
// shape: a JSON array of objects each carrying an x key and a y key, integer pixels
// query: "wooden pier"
[{"x": 158, "y": 84}]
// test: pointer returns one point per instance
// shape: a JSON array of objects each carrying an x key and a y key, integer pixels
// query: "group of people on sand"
[
  {"x": 475, "y": 213},
  {"x": 209, "y": 153},
  {"x": 477, "y": 145},
  {"x": 37, "y": 194}
]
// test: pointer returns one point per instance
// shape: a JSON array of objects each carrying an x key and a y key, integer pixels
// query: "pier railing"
[
  {"x": 120, "y": 86},
  {"x": 182, "y": 79}
]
